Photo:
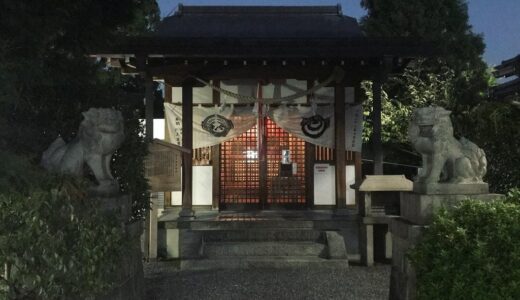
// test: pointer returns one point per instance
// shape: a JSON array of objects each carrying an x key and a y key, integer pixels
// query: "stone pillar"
[{"x": 187, "y": 142}]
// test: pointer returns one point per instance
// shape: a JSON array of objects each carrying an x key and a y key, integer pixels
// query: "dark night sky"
[{"x": 497, "y": 20}]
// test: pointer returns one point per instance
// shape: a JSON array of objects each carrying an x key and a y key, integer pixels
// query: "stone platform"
[{"x": 272, "y": 239}]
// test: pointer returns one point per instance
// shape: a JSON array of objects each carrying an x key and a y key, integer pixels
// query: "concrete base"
[
  {"x": 451, "y": 188},
  {"x": 403, "y": 278},
  {"x": 264, "y": 238},
  {"x": 187, "y": 213},
  {"x": 419, "y": 209}
]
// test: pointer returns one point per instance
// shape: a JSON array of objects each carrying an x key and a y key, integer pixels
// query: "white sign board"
[
  {"x": 202, "y": 187},
  {"x": 325, "y": 184}
]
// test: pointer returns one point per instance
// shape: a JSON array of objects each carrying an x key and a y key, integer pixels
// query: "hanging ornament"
[
  {"x": 314, "y": 126},
  {"x": 217, "y": 125}
]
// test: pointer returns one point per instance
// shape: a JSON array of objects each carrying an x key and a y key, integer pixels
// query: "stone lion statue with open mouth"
[
  {"x": 100, "y": 134},
  {"x": 445, "y": 159}
]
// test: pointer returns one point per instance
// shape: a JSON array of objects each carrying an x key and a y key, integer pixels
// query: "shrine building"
[{"x": 264, "y": 114}]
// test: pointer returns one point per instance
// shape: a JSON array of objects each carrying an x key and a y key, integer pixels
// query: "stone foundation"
[{"x": 417, "y": 212}]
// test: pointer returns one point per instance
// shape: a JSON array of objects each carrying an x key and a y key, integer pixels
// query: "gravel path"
[{"x": 164, "y": 282}]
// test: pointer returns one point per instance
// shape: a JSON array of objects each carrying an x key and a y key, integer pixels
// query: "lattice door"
[
  {"x": 240, "y": 185},
  {"x": 239, "y": 171},
  {"x": 284, "y": 190}
]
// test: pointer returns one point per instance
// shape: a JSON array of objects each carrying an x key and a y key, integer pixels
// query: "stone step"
[
  {"x": 245, "y": 249},
  {"x": 265, "y": 235},
  {"x": 254, "y": 262},
  {"x": 201, "y": 225}
]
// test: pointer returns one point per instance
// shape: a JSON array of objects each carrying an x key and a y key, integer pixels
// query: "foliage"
[
  {"x": 48, "y": 79},
  {"x": 470, "y": 252},
  {"x": 444, "y": 26},
  {"x": 456, "y": 79},
  {"x": 131, "y": 175},
  {"x": 495, "y": 128},
  {"x": 513, "y": 196},
  {"x": 419, "y": 88},
  {"x": 54, "y": 242}
]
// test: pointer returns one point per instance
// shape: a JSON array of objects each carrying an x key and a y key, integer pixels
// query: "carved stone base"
[
  {"x": 419, "y": 209},
  {"x": 451, "y": 188}
]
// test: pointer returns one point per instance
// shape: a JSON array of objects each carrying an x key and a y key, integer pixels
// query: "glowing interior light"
[{"x": 251, "y": 154}]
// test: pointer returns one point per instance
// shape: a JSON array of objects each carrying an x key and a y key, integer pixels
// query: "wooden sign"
[{"x": 163, "y": 166}]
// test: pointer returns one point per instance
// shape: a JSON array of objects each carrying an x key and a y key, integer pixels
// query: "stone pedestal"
[
  {"x": 419, "y": 208},
  {"x": 451, "y": 188},
  {"x": 417, "y": 212},
  {"x": 129, "y": 276}
]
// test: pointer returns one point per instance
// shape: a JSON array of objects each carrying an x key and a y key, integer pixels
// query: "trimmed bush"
[
  {"x": 471, "y": 252},
  {"x": 55, "y": 243}
]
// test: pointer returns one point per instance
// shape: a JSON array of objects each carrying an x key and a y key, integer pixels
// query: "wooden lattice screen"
[
  {"x": 280, "y": 189},
  {"x": 239, "y": 170},
  {"x": 163, "y": 166}
]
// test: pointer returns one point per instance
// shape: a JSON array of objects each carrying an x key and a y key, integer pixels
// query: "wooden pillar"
[
  {"x": 167, "y": 99},
  {"x": 187, "y": 142},
  {"x": 151, "y": 232},
  {"x": 262, "y": 149},
  {"x": 376, "y": 132},
  {"x": 310, "y": 156},
  {"x": 215, "y": 158},
  {"x": 149, "y": 101},
  {"x": 339, "y": 132},
  {"x": 310, "y": 160}
]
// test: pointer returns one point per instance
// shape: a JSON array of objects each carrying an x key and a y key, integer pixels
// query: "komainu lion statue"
[
  {"x": 445, "y": 159},
  {"x": 100, "y": 134}
]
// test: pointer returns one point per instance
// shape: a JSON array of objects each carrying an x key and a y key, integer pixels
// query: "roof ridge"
[{"x": 256, "y": 9}]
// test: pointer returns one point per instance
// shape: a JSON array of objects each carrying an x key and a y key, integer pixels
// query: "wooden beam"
[
  {"x": 339, "y": 132},
  {"x": 187, "y": 142},
  {"x": 178, "y": 73},
  {"x": 376, "y": 123}
]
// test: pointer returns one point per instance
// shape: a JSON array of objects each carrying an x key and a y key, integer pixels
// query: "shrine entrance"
[{"x": 252, "y": 175}]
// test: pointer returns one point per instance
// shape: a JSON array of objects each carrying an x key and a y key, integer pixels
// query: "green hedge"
[
  {"x": 54, "y": 242},
  {"x": 471, "y": 252}
]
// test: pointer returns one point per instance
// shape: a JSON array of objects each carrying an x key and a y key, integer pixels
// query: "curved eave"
[{"x": 308, "y": 48}]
